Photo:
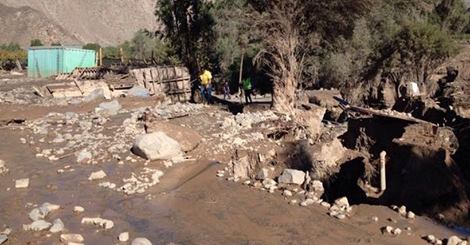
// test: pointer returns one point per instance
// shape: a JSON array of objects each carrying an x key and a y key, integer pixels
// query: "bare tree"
[{"x": 282, "y": 54}]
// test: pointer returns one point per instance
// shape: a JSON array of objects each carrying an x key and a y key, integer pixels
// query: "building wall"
[{"x": 49, "y": 61}]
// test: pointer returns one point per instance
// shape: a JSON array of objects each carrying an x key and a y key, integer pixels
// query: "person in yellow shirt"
[{"x": 206, "y": 86}]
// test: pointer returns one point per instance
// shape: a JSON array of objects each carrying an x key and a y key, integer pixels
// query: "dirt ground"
[{"x": 189, "y": 206}]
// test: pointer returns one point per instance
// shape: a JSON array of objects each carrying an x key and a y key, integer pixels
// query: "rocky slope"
[{"x": 75, "y": 22}]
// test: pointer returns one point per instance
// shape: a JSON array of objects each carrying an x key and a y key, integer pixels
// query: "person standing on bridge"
[{"x": 248, "y": 88}]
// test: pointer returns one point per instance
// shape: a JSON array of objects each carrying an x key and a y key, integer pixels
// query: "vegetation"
[
  {"x": 11, "y": 55},
  {"x": 36, "y": 43}
]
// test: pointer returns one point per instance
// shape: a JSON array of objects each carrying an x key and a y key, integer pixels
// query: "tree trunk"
[{"x": 284, "y": 96}]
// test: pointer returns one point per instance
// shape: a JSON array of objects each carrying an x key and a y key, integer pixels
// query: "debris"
[
  {"x": 97, "y": 175},
  {"x": 264, "y": 173},
  {"x": 292, "y": 176},
  {"x": 156, "y": 146},
  {"x": 68, "y": 238},
  {"x": 123, "y": 237},
  {"x": 103, "y": 223},
  {"x": 141, "y": 241},
  {"x": 22, "y": 183}
]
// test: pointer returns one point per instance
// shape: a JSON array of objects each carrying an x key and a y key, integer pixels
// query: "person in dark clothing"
[{"x": 248, "y": 88}]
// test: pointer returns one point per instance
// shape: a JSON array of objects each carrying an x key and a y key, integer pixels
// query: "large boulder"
[
  {"x": 292, "y": 176},
  {"x": 188, "y": 138},
  {"x": 108, "y": 108},
  {"x": 312, "y": 119},
  {"x": 156, "y": 146},
  {"x": 138, "y": 91}
]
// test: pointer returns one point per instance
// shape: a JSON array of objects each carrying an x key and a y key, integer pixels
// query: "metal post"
[{"x": 383, "y": 181}]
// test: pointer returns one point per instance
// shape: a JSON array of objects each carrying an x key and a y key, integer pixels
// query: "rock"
[
  {"x": 97, "y": 175},
  {"x": 84, "y": 156},
  {"x": 317, "y": 188},
  {"x": 188, "y": 138},
  {"x": 402, "y": 211},
  {"x": 76, "y": 238},
  {"x": 326, "y": 156},
  {"x": 269, "y": 183},
  {"x": 108, "y": 108},
  {"x": 293, "y": 202},
  {"x": 38, "y": 225},
  {"x": 99, "y": 93},
  {"x": 454, "y": 240},
  {"x": 78, "y": 209},
  {"x": 287, "y": 193},
  {"x": 42, "y": 211},
  {"x": 396, "y": 231},
  {"x": 123, "y": 237},
  {"x": 410, "y": 215},
  {"x": 241, "y": 167},
  {"x": 138, "y": 91},
  {"x": 292, "y": 176},
  {"x": 375, "y": 219},
  {"x": 156, "y": 146},
  {"x": 342, "y": 203},
  {"x": 103, "y": 223},
  {"x": 307, "y": 202},
  {"x": 141, "y": 241},
  {"x": 3, "y": 168},
  {"x": 22, "y": 183},
  {"x": 3, "y": 239},
  {"x": 388, "y": 229},
  {"x": 57, "y": 226},
  {"x": 430, "y": 238},
  {"x": 325, "y": 204},
  {"x": 263, "y": 174},
  {"x": 311, "y": 119}
]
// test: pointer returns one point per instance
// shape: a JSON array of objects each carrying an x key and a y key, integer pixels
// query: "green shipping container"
[{"x": 50, "y": 61}]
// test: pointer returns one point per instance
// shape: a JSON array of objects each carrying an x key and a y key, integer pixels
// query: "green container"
[{"x": 50, "y": 61}]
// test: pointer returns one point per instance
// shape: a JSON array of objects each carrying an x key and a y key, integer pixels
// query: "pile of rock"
[
  {"x": 391, "y": 230},
  {"x": 37, "y": 215},
  {"x": 433, "y": 240},
  {"x": 177, "y": 109},
  {"x": 403, "y": 212}
]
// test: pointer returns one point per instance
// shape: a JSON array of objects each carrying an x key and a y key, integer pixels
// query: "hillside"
[{"x": 70, "y": 21}]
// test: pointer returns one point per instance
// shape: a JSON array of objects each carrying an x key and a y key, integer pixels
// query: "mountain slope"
[{"x": 105, "y": 21}]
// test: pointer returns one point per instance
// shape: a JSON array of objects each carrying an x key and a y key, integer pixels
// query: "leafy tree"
[
  {"x": 451, "y": 15},
  {"x": 10, "y": 54},
  {"x": 56, "y": 44},
  {"x": 92, "y": 46},
  {"x": 36, "y": 43},
  {"x": 418, "y": 50},
  {"x": 189, "y": 29},
  {"x": 147, "y": 46}
]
